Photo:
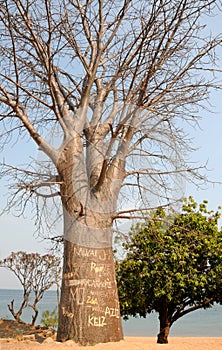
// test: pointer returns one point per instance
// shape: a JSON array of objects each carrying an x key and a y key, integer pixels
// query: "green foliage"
[
  {"x": 50, "y": 318},
  {"x": 172, "y": 260}
]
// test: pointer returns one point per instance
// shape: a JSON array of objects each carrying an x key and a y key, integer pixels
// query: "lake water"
[{"x": 200, "y": 323}]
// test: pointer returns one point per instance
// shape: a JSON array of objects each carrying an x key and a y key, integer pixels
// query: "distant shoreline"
[{"x": 201, "y": 323}]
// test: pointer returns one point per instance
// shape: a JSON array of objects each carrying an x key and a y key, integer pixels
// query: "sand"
[{"x": 129, "y": 343}]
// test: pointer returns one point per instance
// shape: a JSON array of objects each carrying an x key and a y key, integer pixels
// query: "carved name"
[
  {"x": 79, "y": 295},
  {"x": 112, "y": 312},
  {"x": 89, "y": 283},
  {"x": 91, "y": 300},
  {"x": 96, "y": 321},
  {"x": 89, "y": 252},
  {"x": 97, "y": 268},
  {"x": 67, "y": 313}
]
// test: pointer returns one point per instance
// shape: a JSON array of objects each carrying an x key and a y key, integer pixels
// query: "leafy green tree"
[{"x": 173, "y": 265}]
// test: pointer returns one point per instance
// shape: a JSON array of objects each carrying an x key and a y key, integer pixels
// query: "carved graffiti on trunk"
[
  {"x": 78, "y": 295},
  {"x": 96, "y": 321},
  {"x": 89, "y": 283},
  {"x": 91, "y": 300},
  {"x": 67, "y": 313},
  {"x": 97, "y": 268},
  {"x": 112, "y": 312},
  {"x": 85, "y": 252},
  {"x": 92, "y": 288},
  {"x": 100, "y": 321}
]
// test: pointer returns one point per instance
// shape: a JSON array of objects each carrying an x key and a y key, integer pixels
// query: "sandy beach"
[{"x": 129, "y": 343}]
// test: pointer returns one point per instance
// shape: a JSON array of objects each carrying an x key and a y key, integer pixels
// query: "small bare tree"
[
  {"x": 114, "y": 82},
  {"x": 36, "y": 273}
]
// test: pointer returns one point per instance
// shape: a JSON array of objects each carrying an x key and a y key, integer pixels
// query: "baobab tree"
[{"x": 114, "y": 82}]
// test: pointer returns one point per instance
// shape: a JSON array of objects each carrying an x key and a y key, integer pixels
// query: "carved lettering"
[
  {"x": 68, "y": 275},
  {"x": 96, "y": 268},
  {"x": 88, "y": 283},
  {"x": 112, "y": 312},
  {"x": 67, "y": 313},
  {"x": 78, "y": 295},
  {"x": 84, "y": 252},
  {"x": 91, "y": 300},
  {"x": 103, "y": 255},
  {"x": 97, "y": 308},
  {"x": 96, "y": 321}
]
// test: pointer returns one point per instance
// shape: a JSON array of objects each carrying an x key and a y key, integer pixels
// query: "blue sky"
[{"x": 18, "y": 233}]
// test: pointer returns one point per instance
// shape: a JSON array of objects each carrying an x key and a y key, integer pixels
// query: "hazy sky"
[{"x": 17, "y": 233}]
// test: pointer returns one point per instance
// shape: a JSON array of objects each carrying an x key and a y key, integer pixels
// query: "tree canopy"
[
  {"x": 118, "y": 78},
  {"x": 173, "y": 265}
]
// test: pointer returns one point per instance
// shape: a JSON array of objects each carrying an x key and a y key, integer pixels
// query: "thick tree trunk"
[
  {"x": 165, "y": 324},
  {"x": 89, "y": 307}
]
